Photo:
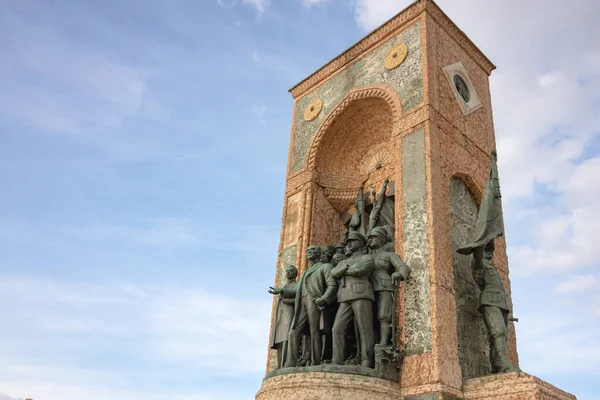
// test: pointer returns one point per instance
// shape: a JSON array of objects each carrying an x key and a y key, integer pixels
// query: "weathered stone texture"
[
  {"x": 473, "y": 344},
  {"x": 417, "y": 318},
  {"x": 407, "y": 79},
  {"x": 512, "y": 386},
  {"x": 327, "y": 386}
]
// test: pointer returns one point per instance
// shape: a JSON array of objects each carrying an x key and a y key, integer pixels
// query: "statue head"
[
  {"x": 327, "y": 252},
  {"x": 356, "y": 242},
  {"x": 337, "y": 257},
  {"x": 313, "y": 253},
  {"x": 291, "y": 272},
  {"x": 377, "y": 237},
  {"x": 339, "y": 248}
]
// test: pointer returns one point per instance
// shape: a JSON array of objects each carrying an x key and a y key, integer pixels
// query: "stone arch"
[
  {"x": 384, "y": 92},
  {"x": 470, "y": 184},
  {"x": 357, "y": 131}
]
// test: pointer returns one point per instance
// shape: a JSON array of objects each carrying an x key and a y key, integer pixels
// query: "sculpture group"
[
  {"x": 342, "y": 309},
  {"x": 345, "y": 299}
]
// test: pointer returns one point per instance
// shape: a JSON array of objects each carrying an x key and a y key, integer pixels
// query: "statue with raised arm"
[
  {"x": 316, "y": 289},
  {"x": 355, "y": 297},
  {"x": 357, "y": 222},
  {"x": 375, "y": 215},
  {"x": 284, "y": 312},
  {"x": 389, "y": 270},
  {"x": 493, "y": 302}
]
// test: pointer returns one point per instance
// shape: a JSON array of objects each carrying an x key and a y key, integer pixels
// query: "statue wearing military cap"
[
  {"x": 389, "y": 269},
  {"x": 355, "y": 297}
]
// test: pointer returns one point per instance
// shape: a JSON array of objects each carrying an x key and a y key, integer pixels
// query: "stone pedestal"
[
  {"x": 513, "y": 386},
  {"x": 327, "y": 386}
]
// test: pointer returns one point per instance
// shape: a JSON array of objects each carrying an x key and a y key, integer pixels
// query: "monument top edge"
[{"x": 374, "y": 37}]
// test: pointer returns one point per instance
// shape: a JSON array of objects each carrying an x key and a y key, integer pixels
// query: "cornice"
[
  {"x": 371, "y": 39},
  {"x": 458, "y": 35},
  {"x": 388, "y": 28}
]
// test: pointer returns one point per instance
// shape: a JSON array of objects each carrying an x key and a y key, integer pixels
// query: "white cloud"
[
  {"x": 370, "y": 14},
  {"x": 578, "y": 283},
  {"x": 181, "y": 328},
  {"x": 259, "y": 5},
  {"x": 545, "y": 338},
  {"x": 310, "y": 3}
]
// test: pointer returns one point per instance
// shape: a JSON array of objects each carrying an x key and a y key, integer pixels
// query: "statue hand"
[
  {"x": 398, "y": 276},
  {"x": 273, "y": 290},
  {"x": 320, "y": 302}
]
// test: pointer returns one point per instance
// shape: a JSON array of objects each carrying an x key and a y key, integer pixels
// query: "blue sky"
[{"x": 143, "y": 148}]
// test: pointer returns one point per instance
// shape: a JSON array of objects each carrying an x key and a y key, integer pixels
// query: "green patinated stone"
[
  {"x": 407, "y": 80},
  {"x": 417, "y": 318}
]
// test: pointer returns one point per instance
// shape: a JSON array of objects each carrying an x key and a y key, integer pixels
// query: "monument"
[{"x": 393, "y": 217}]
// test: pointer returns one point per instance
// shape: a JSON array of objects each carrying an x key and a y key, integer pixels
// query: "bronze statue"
[
  {"x": 389, "y": 269},
  {"x": 315, "y": 290},
  {"x": 493, "y": 302},
  {"x": 337, "y": 257},
  {"x": 340, "y": 248},
  {"x": 327, "y": 253},
  {"x": 284, "y": 312},
  {"x": 357, "y": 222},
  {"x": 355, "y": 297}
]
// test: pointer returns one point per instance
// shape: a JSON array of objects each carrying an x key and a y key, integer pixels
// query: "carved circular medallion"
[
  {"x": 462, "y": 88},
  {"x": 313, "y": 109},
  {"x": 396, "y": 56}
]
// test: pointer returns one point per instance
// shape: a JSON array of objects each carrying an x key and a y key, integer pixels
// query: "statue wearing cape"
[{"x": 489, "y": 218}]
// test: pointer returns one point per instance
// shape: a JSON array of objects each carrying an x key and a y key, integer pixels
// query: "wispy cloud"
[
  {"x": 259, "y": 5},
  {"x": 60, "y": 322},
  {"x": 310, "y": 3}
]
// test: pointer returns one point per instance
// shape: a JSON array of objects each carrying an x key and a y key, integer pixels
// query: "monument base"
[
  {"x": 344, "y": 386},
  {"x": 327, "y": 386},
  {"x": 512, "y": 386}
]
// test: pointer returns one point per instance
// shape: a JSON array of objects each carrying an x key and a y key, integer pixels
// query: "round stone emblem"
[
  {"x": 462, "y": 88},
  {"x": 313, "y": 109},
  {"x": 396, "y": 56}
]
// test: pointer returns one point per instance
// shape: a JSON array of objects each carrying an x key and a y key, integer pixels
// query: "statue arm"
[
  {"x": 362, "y": 267},
  {"x": 289, "y": 301},
  {"x": 338, "y": 271},
  {"x": 400, "y": 267},
  {"x": 374, "y": 217},
  {"x": 289, "y": 292},
  {"x": 332, "y": 285},
  {"x": 477, "y": 266}
]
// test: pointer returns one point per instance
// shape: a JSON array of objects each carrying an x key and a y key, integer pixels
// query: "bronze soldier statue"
[
  {"x": 355, "y": 297},
  {"x": 327, "y": 253},
  {"x": 284, "y": 312},
  {"x": 389, "y": 269},
  {"x": 337, "y": 257},
  {"x": 328, "y": 313},
  {"x": 340, "y": 248},
  {"x": 493, "y": 303},
  {"x": 315, "y": 290}
]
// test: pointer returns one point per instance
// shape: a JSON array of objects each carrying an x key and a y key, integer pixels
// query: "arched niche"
[
  {"x": 352, "y": 148},
  {"x": 473, "y": 344}
]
